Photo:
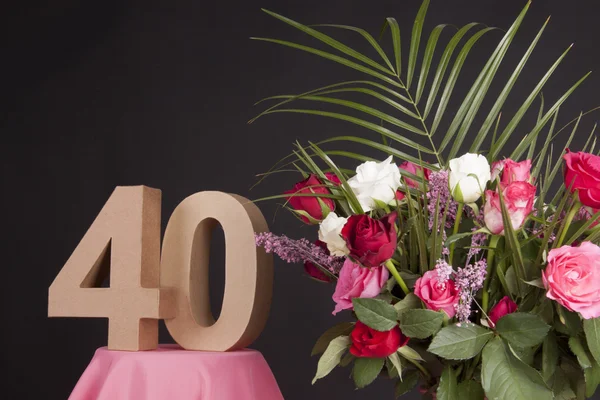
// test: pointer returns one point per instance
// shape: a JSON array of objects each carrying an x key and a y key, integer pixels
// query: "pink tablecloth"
[{"x": 171, "y": 373}]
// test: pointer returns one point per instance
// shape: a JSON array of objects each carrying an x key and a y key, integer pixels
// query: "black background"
[{"x": 100, "y": 94}]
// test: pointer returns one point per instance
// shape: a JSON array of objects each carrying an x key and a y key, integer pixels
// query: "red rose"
[
  {"x": 415, "y": 170},
  {"x": 504, "y": 306},
  {"x": 516, "y": 172},
  {"x": 582, "y": 173},
  {"x": 333, "y": 178},
  {"x": 371, "y": 242},
  {"x": 315, "y": 272},
  {"x": 367, "y": 342},
  {"x": 310, "y": 204}
]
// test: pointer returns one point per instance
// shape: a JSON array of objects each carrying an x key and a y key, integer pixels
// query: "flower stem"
[
  {"x": 572, "y": 212},
  {"x": 490, "y": 262},
  {"x": 392, "y": 268},
  {"x": 421, "y": 368},
  {"x": 459, "y": 212}
]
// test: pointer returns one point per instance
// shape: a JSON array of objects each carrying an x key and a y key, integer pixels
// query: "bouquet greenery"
[{"x": 464, "y": 272}]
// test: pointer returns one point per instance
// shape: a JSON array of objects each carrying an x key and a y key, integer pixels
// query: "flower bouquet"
[{"x": 467, "y": 275}]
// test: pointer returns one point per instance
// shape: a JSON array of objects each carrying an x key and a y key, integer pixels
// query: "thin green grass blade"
[
  {"x": 531, "y": 151},
  {"x": 542, "y": 155},
  {"x": 332, "y": 57},
  {"x": 427, "y": 59},
  {"x": 331, "y": 42},
  {"x": 415, "y": 41}
]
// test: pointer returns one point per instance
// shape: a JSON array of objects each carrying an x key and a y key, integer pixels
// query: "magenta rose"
[
  {"x": 371, "y": 241},
  {"x": 437, "y": 296},
  {"x": 356, "y": 281},
  {"x": 310, "y": 204},
  {"x": 572, "y": 278},
  {"x": 582, "y": 174},
  {"x": 505, "y": 306},
  {"x": 333, "y": 178},
  {"x": 518, "y": 198},
  {"x": 415, "y": 170},
  {"x": 315, "y": 272},
  {"x": 515, "y": 172}
]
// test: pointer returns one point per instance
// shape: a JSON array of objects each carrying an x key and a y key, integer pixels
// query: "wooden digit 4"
[{"x": 126, "y": 237}]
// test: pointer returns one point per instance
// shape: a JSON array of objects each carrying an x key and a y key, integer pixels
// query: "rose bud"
[
  {"x": 329, "y": 233},
  {"x": 367, "y": 342},
  {"x": 331, "y": 177},
  {"x": 371, "y": 242},
  {"x": 315, "y": 272},
  {"x": 518, "y": 199},
  {"x": 355, "y": 281},
  {"x": 582, "y": 174},
  {"x": 515, "y": 172},
  {"x": 571, "y": 278},
  {"x": 310, "y": 205},
  {"x": 436, "y": 295},
  {"x": 415, "y": 170},
  {"x": 468, "y": 177},
  {"x": 505, "y": 306}
]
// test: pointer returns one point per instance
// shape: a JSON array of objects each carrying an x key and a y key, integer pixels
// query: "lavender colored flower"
[
  {"x": 438, "y": 189},
  {"x": 298, "y": 251},
  {"x": 443, "y": 271},
  {"x": 468, "y": 281},
  {"x": 477, "y": 239}
]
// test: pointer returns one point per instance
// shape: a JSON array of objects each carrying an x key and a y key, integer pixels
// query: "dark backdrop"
[{"x": 99, "y": 94}]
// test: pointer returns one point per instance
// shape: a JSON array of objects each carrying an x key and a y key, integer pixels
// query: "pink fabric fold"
[{"x": 171, "y": 373}]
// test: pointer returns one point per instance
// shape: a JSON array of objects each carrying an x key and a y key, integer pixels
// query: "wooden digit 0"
[
  {"x": 248, "y": 276},
  {"x": 125, "y": 236}
]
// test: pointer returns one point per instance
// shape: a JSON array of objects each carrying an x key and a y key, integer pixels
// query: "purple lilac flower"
[
  {"x": 438, "y": 188},
  {"x": 298, "y": 251},
  {"x": 478, "y": 239},
  {"x": 468, "y": 281},
  {"x": 443, "y": 271}
]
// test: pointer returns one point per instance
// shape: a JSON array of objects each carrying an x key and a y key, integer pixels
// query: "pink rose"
[
  {"x": 415, "y": 170},
  {"x": 505, "y": 306},
  {"x": 515, "y": 172},
  {"x": 572, "y": 278},
  {"x": 497, "y": 167},
  {"x": 437, "y": 296},
  {"x": 356, "y": 281},
  {"x": 582, "y": 173},
  {"x": 518, "y": 198}
]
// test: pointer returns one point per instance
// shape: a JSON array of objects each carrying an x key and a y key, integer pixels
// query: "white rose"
[
  {"x": 377, "y": 181},
  {"x": 469, "y": 175},
  {"x": 330, "y": 233}
]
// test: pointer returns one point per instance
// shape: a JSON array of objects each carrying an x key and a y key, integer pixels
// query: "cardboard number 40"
[{"x": 125, "y": 238}]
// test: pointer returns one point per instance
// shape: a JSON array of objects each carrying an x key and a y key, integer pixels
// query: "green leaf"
[
  {"x": 427, "y": 58},
  {"x": 470, "y": 390},
  {"x": 396, "y": 362},
  {"x": 448, "y": 387},
  {"x": 366, "y": 370},
  {"x": 375, "y": 313},
  {"x": 415, "y": 41},
  {"x": 409, "y": 353},
  {"x": 395, "y": 30},
  {"x": 410, "y": 302},
  {"x": 568, "y": 322},
  {"x": 578, "y": 349},
  {"x": 323, "y": 341},
  {"x": 591, "y": 327},
  {"x": 406, "y": 384},
  {"x": 561, "y": 387},
  {"x": 592, "y": 379},
  {"x": 550, "y": 355},
  {"x": 332, "y": 57},
  {"x": 504, "y": 377},
  {"x": 332, "y": 356},
  {"x": 460, "y": 342},
  {"x": 522, "y": 329},
  {"x": 420, "y": 324}
]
